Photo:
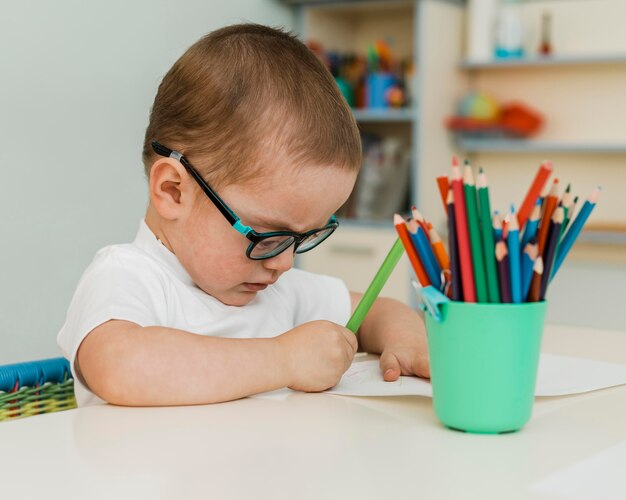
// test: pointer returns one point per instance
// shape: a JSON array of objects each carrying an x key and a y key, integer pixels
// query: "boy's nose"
[{"x": 281, "y": 262}]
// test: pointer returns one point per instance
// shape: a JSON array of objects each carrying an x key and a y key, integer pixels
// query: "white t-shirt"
[{"x": 144, "y": 282}]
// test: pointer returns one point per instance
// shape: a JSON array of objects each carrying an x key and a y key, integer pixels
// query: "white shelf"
[
  {"x": 602, "y": 237},
  {"x": 384, "y": 115},
  {"x": 537, "y": 146},
  {"x": 535, "y": 61}
]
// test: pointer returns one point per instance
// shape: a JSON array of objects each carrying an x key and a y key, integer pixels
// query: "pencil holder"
[{"x": 483, "y": 364}]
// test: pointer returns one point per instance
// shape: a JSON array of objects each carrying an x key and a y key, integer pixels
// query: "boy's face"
[{"x": 214, "y": 253}]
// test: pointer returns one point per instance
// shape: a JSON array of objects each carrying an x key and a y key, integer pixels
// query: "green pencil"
[
  {"x": 376, "y": 286},
  {"x": 489, "y": 245},
  {"x": 474, "y": 232}
]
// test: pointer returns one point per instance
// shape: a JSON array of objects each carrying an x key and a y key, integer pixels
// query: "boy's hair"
[{"x": 245, "y": 91}]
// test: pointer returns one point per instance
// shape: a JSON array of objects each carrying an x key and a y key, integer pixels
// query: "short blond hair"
[{"x": 247, "y": 89}]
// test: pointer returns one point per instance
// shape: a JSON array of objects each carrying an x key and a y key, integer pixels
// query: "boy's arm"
[
  {"x": 126, "y": 364},
  {"x": 397, "y": 332}
]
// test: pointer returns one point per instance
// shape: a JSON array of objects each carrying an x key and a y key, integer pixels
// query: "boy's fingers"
[
  {"x": 389, "y": 366},
  {"x": 351, "y": 338},
  {"x": 421, "y": 366}
]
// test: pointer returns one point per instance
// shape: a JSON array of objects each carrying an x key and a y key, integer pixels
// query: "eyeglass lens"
[{"x": 272, "y": 246}]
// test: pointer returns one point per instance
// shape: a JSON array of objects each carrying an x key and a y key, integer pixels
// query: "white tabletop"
[{"x": 323, "y": 446}]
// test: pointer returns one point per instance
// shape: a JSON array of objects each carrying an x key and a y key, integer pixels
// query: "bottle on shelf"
[{"x": 510, "y": 32}]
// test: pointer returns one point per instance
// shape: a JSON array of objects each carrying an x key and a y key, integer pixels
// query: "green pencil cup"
[{"x": 483, "y": 364}]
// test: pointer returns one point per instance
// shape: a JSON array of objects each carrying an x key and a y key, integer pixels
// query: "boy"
[{"x": 203, "y": 306}]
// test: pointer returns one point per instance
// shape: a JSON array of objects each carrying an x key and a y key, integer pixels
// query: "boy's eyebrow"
[{"x": 275, "y": 224}]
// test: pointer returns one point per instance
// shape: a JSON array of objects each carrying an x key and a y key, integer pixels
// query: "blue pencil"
[
  {"x": 574, "y": 230},
  {"x": 497, "y": 226},
  {"x": 425, "y": 252},
  {"x": 514, "y": 259},
  {"x": 530, "y": 230},
  {"x": 531, "y": 250}
]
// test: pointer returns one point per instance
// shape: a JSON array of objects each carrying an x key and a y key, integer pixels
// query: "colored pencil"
[
  {"x": 545, "y": 170},
  {"x": 529, "y": 255},
  {"x": 493, "y": 289},
  {"x": 456, "y": 286},
  {"x": 514, "y": 259},
  {"x": 542, "y": 199},
  {"x": 462, "y": 236},
  {"x": 375, "y": 286},
  {"x": 444, "y": 186},
  {"x": 530, "y": 231},
  {"x": 504, "y": 273},
  {"x": 549, "y": 254},
  {"x": 566, "y": 199},
  {"x": 505, "y": 226},
  {"x": 425, "y": 253},
  {"x": 403, "y": 233},
  {"x": 476, "y": 242},
  {"x": 572, "y": 233},
  {"x": 419, "y": 218},
  {"x": 497, "y": 226},
  {"x": 439, "y": 249},
  {"x": 546, "y": 217},
  {"x": 570, "y": 214},
  {"x": 535, "y": 282}
]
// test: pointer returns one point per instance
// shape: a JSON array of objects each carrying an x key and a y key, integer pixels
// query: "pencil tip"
[
  {"x": 481, "y": 170},
  {"x": 466, "y": 162},
  {"x": 455, "y": 161},
  {"x": 569, "y": 186}
]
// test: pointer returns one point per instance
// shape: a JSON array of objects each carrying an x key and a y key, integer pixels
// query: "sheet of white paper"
[
  {"x": 557, "y": 376},
  {"x": 600, "y": 477}
]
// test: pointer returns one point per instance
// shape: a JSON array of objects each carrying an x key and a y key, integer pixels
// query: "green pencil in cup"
[{"x": 376, "y": 286}]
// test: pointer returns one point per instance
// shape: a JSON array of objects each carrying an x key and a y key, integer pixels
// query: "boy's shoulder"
[
  {"x": 122, "y": 253},
  {"x": 126, "y": 258}
]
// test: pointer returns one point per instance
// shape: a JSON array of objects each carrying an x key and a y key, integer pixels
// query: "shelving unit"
[
  {"x": 580, "y": 92},
  {"x": 398, "y": 115},
  {"x": 480, "y": 145},
  {"x": 546, "y": 61},
  {"x": 577, "y": 90}
]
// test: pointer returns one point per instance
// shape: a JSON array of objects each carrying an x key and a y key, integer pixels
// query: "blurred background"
[{"x": 504, "y": 84}]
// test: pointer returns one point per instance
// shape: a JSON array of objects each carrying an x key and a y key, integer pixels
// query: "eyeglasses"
[{"x": 262, "y": 245}]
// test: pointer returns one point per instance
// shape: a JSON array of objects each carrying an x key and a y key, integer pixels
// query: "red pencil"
[
  {"x": 444, "y": 186},
  {"x": 465, "y": 254},
  {"x": 533, "y": 193},
  {"x": 403, "y": 233}
]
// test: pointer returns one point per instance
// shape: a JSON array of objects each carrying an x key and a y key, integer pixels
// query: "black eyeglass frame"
[{"x": 235, "y": 221}]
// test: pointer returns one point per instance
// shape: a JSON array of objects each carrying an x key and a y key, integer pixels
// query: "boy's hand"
[
  {"x": 405, "y": 356},
  {"x": 398, "y": 333},
  {"x": 318, "y": 353}
]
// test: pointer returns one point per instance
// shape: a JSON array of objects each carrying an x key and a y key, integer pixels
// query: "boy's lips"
[{"x": 257, "y": 287}]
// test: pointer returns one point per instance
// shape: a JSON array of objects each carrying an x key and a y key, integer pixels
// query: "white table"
[{"x": 320, "y": 446}]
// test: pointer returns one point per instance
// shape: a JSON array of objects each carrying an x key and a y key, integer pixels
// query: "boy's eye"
[{"x": 269, "y": 243}]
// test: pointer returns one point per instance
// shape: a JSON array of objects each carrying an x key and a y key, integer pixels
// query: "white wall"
[{"x": 77, "y": 80}]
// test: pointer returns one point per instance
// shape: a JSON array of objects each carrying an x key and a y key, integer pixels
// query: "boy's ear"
[{"x": 171, "y": 193}]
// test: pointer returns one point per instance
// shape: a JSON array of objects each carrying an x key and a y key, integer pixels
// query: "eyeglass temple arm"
[{"x": 221, "y": 206}]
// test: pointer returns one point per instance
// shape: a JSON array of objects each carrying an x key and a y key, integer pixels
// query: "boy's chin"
[{"x": 236, "y": 299}]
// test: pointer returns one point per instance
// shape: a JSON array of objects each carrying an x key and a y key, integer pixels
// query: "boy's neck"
[{"x": 153, "y": 221}]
